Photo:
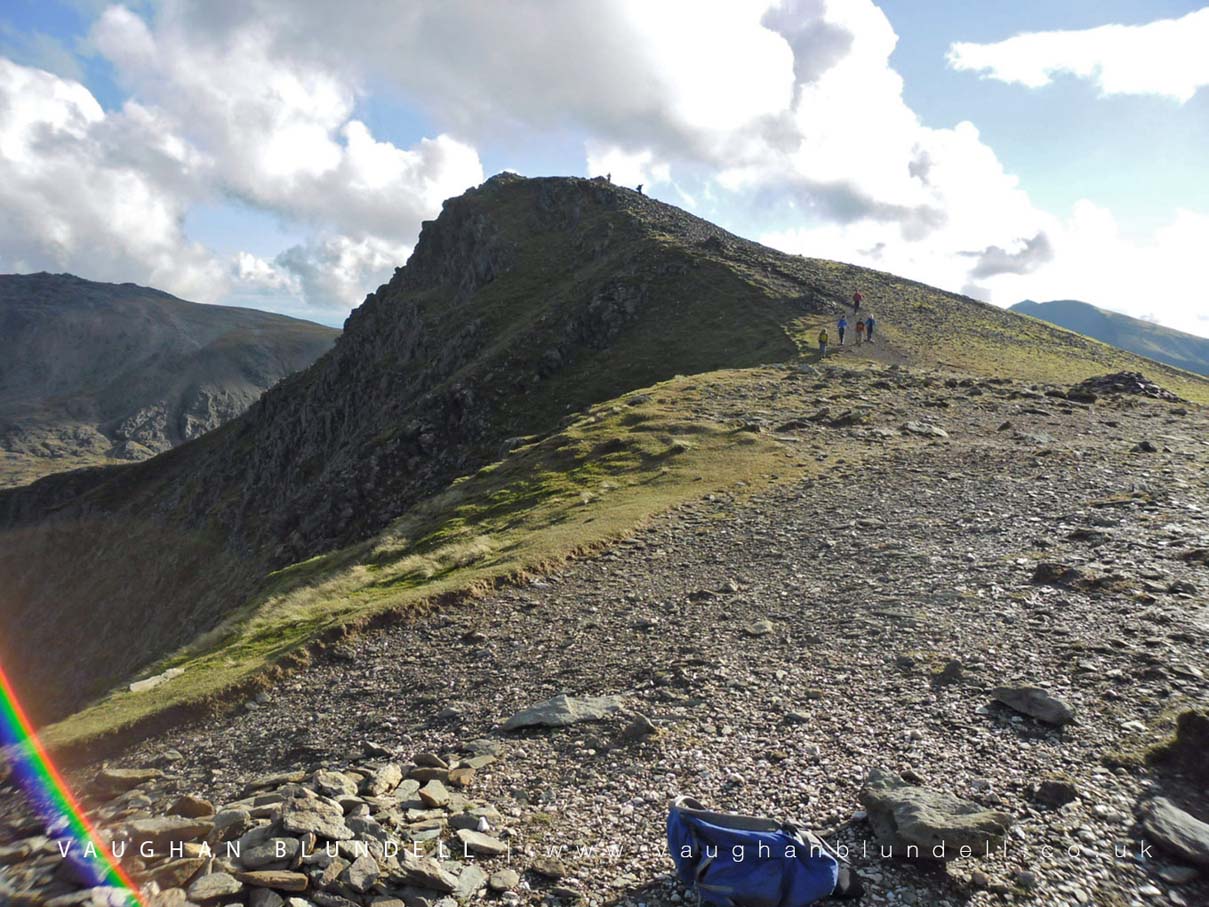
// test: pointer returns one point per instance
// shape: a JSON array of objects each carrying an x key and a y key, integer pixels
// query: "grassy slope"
[{"x": 611, "y": 468}]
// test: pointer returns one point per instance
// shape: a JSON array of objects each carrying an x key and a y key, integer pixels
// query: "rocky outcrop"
[{"x": 1119, "y": 383}]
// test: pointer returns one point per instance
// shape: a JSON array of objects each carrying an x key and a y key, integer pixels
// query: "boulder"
[
  {"x": 564, "y": 710},
  {"x": 938, "y": 824}
]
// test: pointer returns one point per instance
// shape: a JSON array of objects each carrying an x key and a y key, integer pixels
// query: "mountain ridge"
[
  {"x": 526, "y": 303},
  {"x": 1154, "y": 341},
  {"x": 93, "y": 372}
]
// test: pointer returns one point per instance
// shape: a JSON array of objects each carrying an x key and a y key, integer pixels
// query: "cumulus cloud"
[
  {"x": 106, "y": 193},
  {"x": 626, "y": 167},
  {"x": 282, "y": 137},
  {"x": 788, "y": 109},
  {"x": 79, "y": 187},
  {"x": 1167, "y": 57}
]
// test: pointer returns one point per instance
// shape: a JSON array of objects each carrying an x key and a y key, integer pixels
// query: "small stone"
[
  {"x": 264, "y": 897},
  {"x": 548, "y": 867},
  {"x": 214, "y": 886},
  {"x": 503, "y": 880},
  {"x": 176, "y": 873},
  {"x": 434, "y": 795},
  {"x": 164, "y": 830},
  {"x": 425, "y": 872},
  {"x": 1178, "y": 875},
  {"x": 362, "y": 873},
  {"x": 191, "y": 807},
  {"x": 470, "y": 880},
  {"x": 1055, "y": 793},
  {"x": 563, "y": 710},
  {"x": 324, "y": 819},
  {"x": 1175, "y": 831},
  {"x": 274, "y": 878},
  {"x": 335, "y": 784},
  {"x": 477, "y": 842},
  {"x": 119, "y": 780},
  {"x": 1036, "y": 703},
  {"x": 638, "y": 729}
]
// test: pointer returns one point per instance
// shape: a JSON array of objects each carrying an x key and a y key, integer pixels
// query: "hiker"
[
  {"x": 823, "y": 343},
  {"x": 869, "y": 328},
  {"x": 842, "y": 327},
  {"x": 640, "y": 188},
  {"x": 609, "y": 177},
  {"x": 860, "y": 332},
  {"x": 856, "y": 301}
]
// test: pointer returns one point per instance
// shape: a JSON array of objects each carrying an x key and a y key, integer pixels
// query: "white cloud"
[
  {"x": 73, "y": 193},
  {"x": 628, "y": 168},
  {"x": 1168, "y": 57},
  {"x": 788, "y": 109},
  {"x": 1093, "y": 260},
  {"x": 281, "y": 132}
]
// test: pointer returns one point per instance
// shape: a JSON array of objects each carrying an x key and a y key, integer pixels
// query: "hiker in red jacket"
[{"x": 856, "y": 301}]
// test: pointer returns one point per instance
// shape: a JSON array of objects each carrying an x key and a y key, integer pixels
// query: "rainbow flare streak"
[{"x": 51, "y": 797}]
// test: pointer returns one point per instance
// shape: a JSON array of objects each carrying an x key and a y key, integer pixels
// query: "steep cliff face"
[
  {"x": 524, "y": 300},
  {"x": 94, "y": 371}
]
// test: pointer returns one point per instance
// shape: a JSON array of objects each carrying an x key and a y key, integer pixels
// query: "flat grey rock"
[
  {"x": 904, "y": 815},
  {"x": 564, "y": 710},
  {"x": 1035, "y": 703},
  {"x": 1176, "y": 831}
]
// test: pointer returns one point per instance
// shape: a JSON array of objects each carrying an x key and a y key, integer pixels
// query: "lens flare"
[{"x": 52, "y": 798}]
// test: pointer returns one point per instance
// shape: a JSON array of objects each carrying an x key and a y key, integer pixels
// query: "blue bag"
[{"x": 743, "y": 861}]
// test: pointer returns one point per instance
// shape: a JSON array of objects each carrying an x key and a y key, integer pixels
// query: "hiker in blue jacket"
[
  {"x": 869, "y": 328},
  {"x": 841, "y": 327}
]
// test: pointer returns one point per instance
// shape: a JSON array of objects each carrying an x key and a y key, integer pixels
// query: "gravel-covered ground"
[{"x": 787, "y": 642}]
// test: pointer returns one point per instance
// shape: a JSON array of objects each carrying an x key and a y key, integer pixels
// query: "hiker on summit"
[
  {"x": 640, "y": 188},
  {"x": 860, "y": 332},
  {"x": 869, "y": 322},
  {"x": 823, "y": 338},
  {"x": 856, "y": 301},
  {"x": 841, "y": 328},
  {"x": 609, "y": 177}
]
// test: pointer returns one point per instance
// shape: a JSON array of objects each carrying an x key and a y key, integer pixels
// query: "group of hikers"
[{"x": 863, "y": 326}]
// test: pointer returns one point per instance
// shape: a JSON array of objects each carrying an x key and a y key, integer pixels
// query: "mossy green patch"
[{"x": 600, "y": 476}]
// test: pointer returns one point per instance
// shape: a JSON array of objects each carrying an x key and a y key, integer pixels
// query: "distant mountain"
[
  {"x": 1142, "y": 337},
  {"x": 95, "y": 372}
]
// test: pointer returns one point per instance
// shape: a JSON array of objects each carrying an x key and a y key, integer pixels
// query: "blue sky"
[{"x": 283, "y": 155}]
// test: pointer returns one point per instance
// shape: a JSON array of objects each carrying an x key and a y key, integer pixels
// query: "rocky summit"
[{"x": 573, "y": 520}]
